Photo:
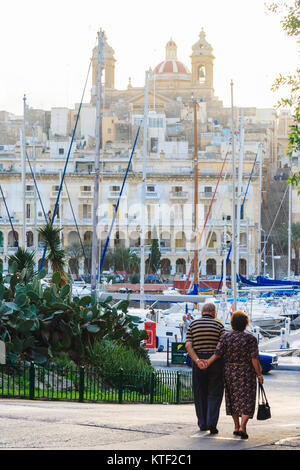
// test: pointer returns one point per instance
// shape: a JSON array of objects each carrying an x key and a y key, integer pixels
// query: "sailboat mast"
[
  {"x": 97, "y": 166},
  {"x": 233, "y": 269},
  {"x": 259, "y": 211},
  {"x": 23, "y": 153},
  {"x": 143, "y": 206},
  {"x": 240, "y": 180},
  {"x": 35, "y": 232},
  {"x": 290, "y": 232},
  {"x": 196, "y": 262}
]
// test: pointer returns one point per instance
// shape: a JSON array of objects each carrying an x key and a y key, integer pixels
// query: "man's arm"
[{"x": 193, "y": 355}]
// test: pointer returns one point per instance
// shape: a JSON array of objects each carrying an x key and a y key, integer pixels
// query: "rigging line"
[
  {"x": 67, "y": 161},
  {"x": 80, "y": 239},
  {"x": 36, "y": 187},
  {"x": 10, "y": 221},
  {"x": 198, "y": 238},
  {"x": 241, "y": 212},
  {"x": 117, "y": 207},
  {"x": 275, "y": 219}
]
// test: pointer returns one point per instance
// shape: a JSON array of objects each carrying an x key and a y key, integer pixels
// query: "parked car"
[{"x": 268, "y": 361}]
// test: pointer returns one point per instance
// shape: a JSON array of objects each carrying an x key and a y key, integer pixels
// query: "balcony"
[
  {"x": 54, "y": 195},
  {"x": 205, "y": 195},
  {"x": 152, "y": 195},
  {"x": 179, "y": 195},
  {"x": 113, "y": 195},
  {"x": 86, "y": 194}
]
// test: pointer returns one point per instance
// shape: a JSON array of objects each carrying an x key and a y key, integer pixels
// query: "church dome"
[{"x": 171, "y": 64}]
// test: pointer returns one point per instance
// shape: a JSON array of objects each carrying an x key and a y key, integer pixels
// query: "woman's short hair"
[{"x": 239, "y": 320}]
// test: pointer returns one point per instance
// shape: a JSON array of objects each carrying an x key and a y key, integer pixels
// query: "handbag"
[{"x": 264, "y": 410}]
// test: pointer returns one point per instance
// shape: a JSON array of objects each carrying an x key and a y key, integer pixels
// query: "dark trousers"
[{"x": 208, "y": 388}]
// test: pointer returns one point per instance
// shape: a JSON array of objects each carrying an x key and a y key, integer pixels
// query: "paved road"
[{"x": 63, "y": 425}]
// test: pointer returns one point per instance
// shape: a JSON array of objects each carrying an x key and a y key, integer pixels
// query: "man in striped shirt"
[{"x": 202, "y": 338}]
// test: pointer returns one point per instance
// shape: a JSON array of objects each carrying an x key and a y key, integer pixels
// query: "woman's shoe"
[
  {"x": 243, "y": 435},
  {"x": 236, "y": 433}
]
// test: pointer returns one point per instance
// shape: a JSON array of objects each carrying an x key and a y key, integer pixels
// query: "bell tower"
[
  {"x": 171, "y": 50},
  {"x": 108, "y": 65},
  {"x": 202, "y": 65}
]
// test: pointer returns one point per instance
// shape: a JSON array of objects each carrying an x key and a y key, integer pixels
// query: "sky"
[{"x": 46, "y": 46}]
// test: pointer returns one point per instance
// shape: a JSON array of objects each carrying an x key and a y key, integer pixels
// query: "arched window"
[
  {"x": 73, "y": 238},
  {"x": 87, "y": 237},
  {"x": 211, "y": 267},
  {"x": 180, "y": 266},
  {"x": 243, "y": 267},
  {"x": 165, "y": 266},
  {"x": 29, "y": 239},
  {"x": 11, "y": 239},
  {"x": 201, "y": 74},
  {"x": 180, "y": 241},
  {"x": 119, "y": 240},
  {"x": 165, "y": 240}
]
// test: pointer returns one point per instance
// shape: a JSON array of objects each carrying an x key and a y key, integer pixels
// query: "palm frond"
[{"x": 24, "y": 260}]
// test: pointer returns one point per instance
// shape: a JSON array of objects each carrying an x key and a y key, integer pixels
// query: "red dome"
[{"x": 171, "y": 66}]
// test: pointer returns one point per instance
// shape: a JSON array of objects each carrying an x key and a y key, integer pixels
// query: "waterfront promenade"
[{"x": 37, "y": 425}]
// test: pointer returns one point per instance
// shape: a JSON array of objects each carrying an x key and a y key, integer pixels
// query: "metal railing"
[{"x": 32, "y": 381}]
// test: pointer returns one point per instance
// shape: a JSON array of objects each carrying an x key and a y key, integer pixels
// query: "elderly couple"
[{"x": 223, "y": 360}]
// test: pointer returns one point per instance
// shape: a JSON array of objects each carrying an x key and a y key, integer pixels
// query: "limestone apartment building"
[{"x": 170, "y": 175}]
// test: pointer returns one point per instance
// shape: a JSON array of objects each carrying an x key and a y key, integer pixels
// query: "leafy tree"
[
  {"x": 155, "y": 255},
  {"x": 290, "y": 13},
  {"x": 282, "y": 235},
  {"x": 121, "y": 259}
]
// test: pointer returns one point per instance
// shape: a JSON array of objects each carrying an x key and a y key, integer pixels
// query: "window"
[
  {"x": 156, "y": 122},
  {"x": 208, "y": 189},
  {"x": 150, "y": 189},
  {"x": 87, "y": 211},
  {"x": 28, "y": 211},
  {"x": 154, "y": 145},
  {"x": 61, "y": 151},
  {"x": 29, "y": 188},
  {"x": 137, "y": 121},
  {"x": 201, "y": 74},
  {"x": 86, "y": 188},
  {"x": 115, "y": 189},
  {"x": 177, "y": 189}
]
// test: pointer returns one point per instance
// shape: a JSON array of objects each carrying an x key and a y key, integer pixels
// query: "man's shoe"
[
  {"x": 213, "y": 431},
  {"x": 203, "y": 428}
]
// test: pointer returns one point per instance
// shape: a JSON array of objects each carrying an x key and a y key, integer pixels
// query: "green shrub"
[{"x": 110, "y": 357}]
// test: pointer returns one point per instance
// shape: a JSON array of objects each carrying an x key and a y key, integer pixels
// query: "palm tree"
[
  {"x": 24, "y": 260},
  {"x": 56, "y": 255},
  {"x": 134, "y": 262}
]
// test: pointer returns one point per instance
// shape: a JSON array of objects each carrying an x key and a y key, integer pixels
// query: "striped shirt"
[{"x": 204, "y": 333}]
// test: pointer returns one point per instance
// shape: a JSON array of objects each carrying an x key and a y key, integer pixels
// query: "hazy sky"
[{"x": 46, "y": 46}]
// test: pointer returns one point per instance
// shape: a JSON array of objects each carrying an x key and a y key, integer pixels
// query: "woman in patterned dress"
[{"x": 239, "y": 350}]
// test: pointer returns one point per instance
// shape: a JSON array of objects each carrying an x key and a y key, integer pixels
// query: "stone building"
[{"x": 170, "y": 173}]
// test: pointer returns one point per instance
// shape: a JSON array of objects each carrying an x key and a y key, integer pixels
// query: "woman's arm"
[
  {"x": 257, "y": 368},
  {"x": 212, "y": 359}
]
